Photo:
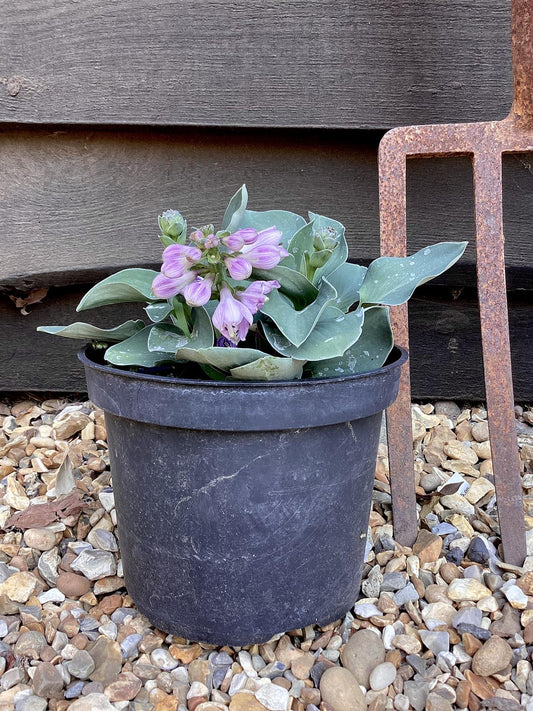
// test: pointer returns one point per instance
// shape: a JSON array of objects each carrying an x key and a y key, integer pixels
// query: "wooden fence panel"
[
  {"x": 79, "y": 204},
  {"x": 319, "y": 63}
]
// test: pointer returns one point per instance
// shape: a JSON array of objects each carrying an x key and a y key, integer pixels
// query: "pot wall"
[{"x": 230, "y": 537}]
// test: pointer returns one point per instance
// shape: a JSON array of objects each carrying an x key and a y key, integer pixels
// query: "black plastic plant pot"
[{"x": 242, "y": 506}]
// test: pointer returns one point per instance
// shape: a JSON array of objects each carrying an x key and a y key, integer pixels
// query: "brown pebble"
[
  {"x": 18, "y": 562},
  {"x": 73, "y": 585},
  {"x": 462, "y": 693},
  {"x": 493, "y": 656},
  {"x": 281, "y": 681},
  {"x": 450, "y": 571},
  {"x": 184, "y": 653},
  {"x": 427, "y": 546},
  {"x": 79, "y": 641},
  {"x": 394, "y": 656},
  {"x": 471, "y": 643}
]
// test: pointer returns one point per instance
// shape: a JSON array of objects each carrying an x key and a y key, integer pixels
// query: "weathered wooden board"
[
  {"x": 76, "y": 205},
  {"x": 338, "y": 63},
  {"x": 445, "y": 345}
]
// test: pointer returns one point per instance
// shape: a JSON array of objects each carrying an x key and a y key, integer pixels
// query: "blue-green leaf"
[
  {"x": 368, "y": 353},
  {"x": 166, "y": 338},
  {"x": 222, "y": 358},
  {"x": 340, "y": 253},
  {"x": 347, "y": 280},
  {"x": 158, "y": 311},
  {"x": 392, "y": 280},
  {"x": 269, "y": 368},
  {"x": 333, "y": 334},
  {"x": 297, "y": 325},
  {"x": 87, "y": 332},
  {"x": 235, "y": 210},
  {"x": 297, "y": 287},
  {"x": 287, "y": 222},
  {"x": 134, "y": 351},
  {"x": 127, "y": 285},
  {"x": 302, "y": 244}
]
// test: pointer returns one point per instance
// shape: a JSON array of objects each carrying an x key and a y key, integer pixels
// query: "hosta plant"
[{"x": 268, "y": 296}]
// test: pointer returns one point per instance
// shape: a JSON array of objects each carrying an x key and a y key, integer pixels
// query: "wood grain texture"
[
  {"x": 77, "y": 205},
  {"x": 445, "y": 344},
  {"x": 318, "y": 63}
]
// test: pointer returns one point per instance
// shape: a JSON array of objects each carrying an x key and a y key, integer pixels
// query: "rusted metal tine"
[{"x": 485, "y": 142}]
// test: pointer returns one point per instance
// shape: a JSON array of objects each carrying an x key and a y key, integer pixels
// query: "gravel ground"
[{"x": 440, "y": 626}]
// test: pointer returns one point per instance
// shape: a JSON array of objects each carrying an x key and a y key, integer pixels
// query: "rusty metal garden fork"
[{"x": 485, "y": 142}]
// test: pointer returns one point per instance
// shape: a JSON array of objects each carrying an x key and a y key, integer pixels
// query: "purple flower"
[
  {"x": 165, "y": 287},
  {"x": 198, "y": 292},
  {"x": 255, "y": 295},
  {"x": 177, "y": 258},
  {"x": 224, "y": 342},
  {"x": 231, "y": 317},
  {"x": 238, "y": 267},
  {"x": 211, "y": 241},
  {"x": 237, "y": 240},
  {"x": 265, "y": 252}
]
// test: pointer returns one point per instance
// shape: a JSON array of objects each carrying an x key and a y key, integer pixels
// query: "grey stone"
[
  {"x": 479, "y": 632},
  {"x": 274, "y": 697},
  {"x": 371, "y": 585},
  {"x": 382, "y": 676},
  {"x": 95, "y": 564},
  {"x": 448, "y": 408},
  {"x": 32, "y": 703},
  {"x": 162, "y": 658},
  {"x": 30, "y": 644},
  {"x": 81, "y": 665},
  {"x": 467, "y": 616},
  {"x": 435, "y": 641},
  {"x": 129, "y": 645},
  {"x": 417, "y": 693},
  {"x": 102, "y": 539},
  {"x": 74, "y": 690},
  {"x": 408, "y": 593},
  {"x": 272, "y": 670},
  {"x": 12, "y": 677},
  {"x": 443, "y": 529},
  {"x": 393, "y": 582}
]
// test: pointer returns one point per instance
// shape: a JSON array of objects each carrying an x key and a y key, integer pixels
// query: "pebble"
[
  {"x": 73, "y": 585},
  {"x": 102, "y": 649},
  {"x": 81, "y": 665},
  {"x": 427, "y": 546},
  {"x": 340, "y": 690},
  {"x": 125, "y": 688},
  {"x": 42, "y": 539},
  {"x": 382, "y": 676},
  {"x": 462, "y": 589},
  {"x": 436, "y": 642},
  {"x": 30, "y": 644},
  {"x": 92, "y": 702},
  {"x": 273, "y": 697},
  {"x": 107, "y": 658},
  {"x": 516, "y": 597},
  {"x": 493, "y": 656},
  {"x": 361, "y": 665},
  {"x": 47, "y": 681},
  {"x": 95, "y": 564},
  {"x": 406, "y": 594}
]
